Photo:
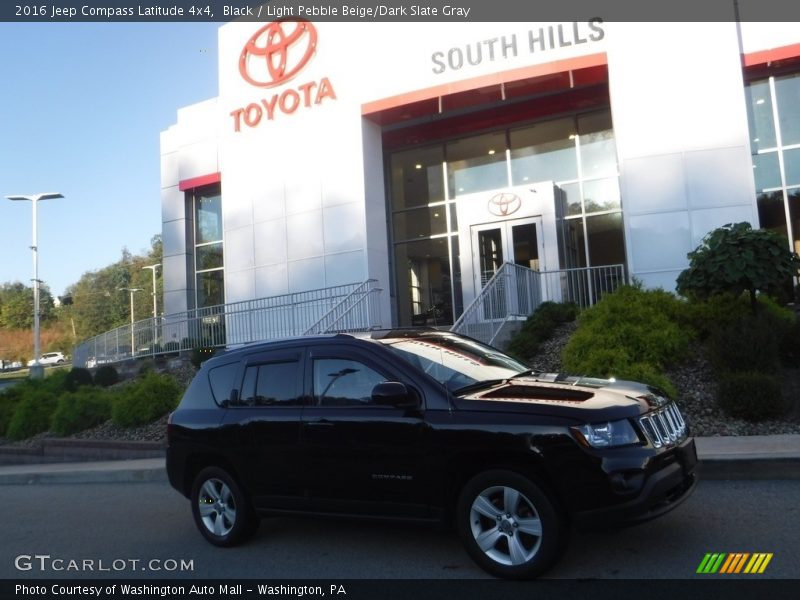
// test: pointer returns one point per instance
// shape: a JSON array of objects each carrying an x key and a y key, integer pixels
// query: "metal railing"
[
  {"x": 514, "y": 292},
  {"x": 352, "y": 307}
]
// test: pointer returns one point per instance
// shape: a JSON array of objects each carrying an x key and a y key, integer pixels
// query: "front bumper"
[{"x": 662, "y": 491}]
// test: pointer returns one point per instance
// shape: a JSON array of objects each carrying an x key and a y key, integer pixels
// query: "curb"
[{"x": 121, "y": 471}]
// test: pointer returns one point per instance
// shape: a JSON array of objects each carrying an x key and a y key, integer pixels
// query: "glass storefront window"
[
  {"x": 574, "y": 241},
  {"x": 787, "y": 92},
  {"x": 794, "y": 212},
  {"x": 210, "y": 288},
  {"x": 759, "y": 113},
  {"x": 544, "y": 152},
  {"x": 208, "y": 218},
  {"x": 791, "y": 165},
  {"x": 476, "y": 164},
  {"x": 209, "y": 256},
  {"x": 424, "y": 282},
  {"x": 417, "y": 177},
  {"x": 767, "y": 171},
  {"x": 771, "y": 213},
  {"x": 572, "y": 198},
  {"x": 598, "y": 148},
  {"x": 601, "y": 195},
  {"x": 208, "y": 247},
  {"x": 606, "y": 239},
  {"x": 420, "y": 223}
]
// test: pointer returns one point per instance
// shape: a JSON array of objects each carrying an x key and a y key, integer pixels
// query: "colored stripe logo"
[{"x": 724, "y": 563}]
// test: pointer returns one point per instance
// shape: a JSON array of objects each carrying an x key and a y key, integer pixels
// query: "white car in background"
[{"x": 50, "y": 358}]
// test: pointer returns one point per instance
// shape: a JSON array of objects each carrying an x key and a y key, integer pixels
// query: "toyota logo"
[
  {"x": 277, "y": 52},
  {"x": 504, "y": 204}
]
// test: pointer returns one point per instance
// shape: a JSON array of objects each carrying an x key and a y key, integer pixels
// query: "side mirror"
[{"x": 393, "y": 393}]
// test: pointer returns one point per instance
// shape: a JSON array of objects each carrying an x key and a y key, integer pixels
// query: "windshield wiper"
[
  {"x": 525, "y": 373},
  {"x": 478, "y": 385}
]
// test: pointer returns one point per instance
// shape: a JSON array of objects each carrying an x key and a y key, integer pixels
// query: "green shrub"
[
  {"x": 145, "y": 400},
  {"x": 751, "y": 343},
  {"x": 172, "y": 347},
  {"x": 37, "y": 402},
  {"x": 631, "y": 334},
  {"x": 77, "y": 377},
  {"x": 9, "y": 400},
  {"x": 752, "y": 396},
  {"x": 539, "y": 327},
  {"x": 80, "y": 410},
  {"x": 105, "y": 376}
]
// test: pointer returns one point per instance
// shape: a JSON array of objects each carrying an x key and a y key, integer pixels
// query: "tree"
[
  {"x": 16, "y": 305},
  {"x": 736, "y": 258}
]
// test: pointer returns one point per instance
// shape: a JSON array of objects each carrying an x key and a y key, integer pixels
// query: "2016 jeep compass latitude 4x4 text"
[{"x": 424, "y": 425}]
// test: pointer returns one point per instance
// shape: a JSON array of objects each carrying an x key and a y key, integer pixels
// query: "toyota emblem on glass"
[{"x": 504, "y": 204}]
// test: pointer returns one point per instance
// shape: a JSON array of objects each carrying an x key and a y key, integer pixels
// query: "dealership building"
[{"x": 422, "y": 157}]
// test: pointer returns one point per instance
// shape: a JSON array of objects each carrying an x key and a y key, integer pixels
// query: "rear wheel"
[
  {"x": 220, "y": 508},
  {"x": 509, "y": 526}
]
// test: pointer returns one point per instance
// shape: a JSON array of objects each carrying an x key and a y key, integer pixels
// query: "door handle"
[{"x": 321, "y": 423}]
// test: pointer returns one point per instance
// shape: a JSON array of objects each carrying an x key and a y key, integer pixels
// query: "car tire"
[
  {"x": 509, "y": 525},
  {"x": 222, "y": 512}
]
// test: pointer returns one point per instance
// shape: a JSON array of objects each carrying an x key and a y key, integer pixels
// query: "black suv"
[{"x": 424, "y": 425}]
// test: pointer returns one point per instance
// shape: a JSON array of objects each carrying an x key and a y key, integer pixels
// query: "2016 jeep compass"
[{"x": 424, "y": 425}]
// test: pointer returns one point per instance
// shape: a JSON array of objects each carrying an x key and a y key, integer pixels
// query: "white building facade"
[{"x": 423, "y": 156}]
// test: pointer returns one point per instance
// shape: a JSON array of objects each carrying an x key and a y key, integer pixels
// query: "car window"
[
  {"x": 343, "y": 382},
  {"x": 270, "y": 384},
  {"x": 221, "y": 380}
]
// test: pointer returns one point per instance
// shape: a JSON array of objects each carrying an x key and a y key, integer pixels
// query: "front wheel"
[
  {"x": 221, "y": 510},
  {"x": 508, "y": 525}
]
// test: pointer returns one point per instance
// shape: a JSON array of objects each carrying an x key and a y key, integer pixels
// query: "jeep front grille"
[{"x": 664, "y": 427}]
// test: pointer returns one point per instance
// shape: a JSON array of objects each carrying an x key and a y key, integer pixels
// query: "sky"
[{"x": 82, "y": 106}]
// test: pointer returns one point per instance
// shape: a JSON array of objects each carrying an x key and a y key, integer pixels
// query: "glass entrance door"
[{"x": 518, "y": 241}]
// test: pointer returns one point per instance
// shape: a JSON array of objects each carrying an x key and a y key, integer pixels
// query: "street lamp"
[
  {"x": 132, "y": 291},
  {"x": 155, "y": 304},
  {"x": 36, "y": 371}
]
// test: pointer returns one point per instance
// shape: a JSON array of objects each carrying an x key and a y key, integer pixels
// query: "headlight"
[{"x": 607, "y": 435}]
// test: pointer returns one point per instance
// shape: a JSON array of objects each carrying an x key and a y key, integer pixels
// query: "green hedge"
[
  {"x": 751, "y": 395},
  {"x": 631, "y": 334},
  {"x": 145, "y": 400},
  {"x": 539, "y": 328},
  {"x": 80, "y": 410}
]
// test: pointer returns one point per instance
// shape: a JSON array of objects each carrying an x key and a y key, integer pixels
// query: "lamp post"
[
  {"x": 155, "y": 307},
  {"x": 36, "y": 371},
  {"x": 155, "y": 304},
  {"x": 132, "y": 291}
]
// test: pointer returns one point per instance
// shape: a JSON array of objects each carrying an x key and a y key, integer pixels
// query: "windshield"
[{"x": 454, "y": 361}]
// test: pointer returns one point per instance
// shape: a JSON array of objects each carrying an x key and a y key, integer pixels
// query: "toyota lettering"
[{"x": 273, "y": 56}]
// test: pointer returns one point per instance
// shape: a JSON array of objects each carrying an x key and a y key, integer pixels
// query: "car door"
[
  {"x": 361, "y": 457},
  {"x": 263, "y": 420}
]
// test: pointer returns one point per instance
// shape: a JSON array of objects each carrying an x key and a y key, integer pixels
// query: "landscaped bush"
[
  {"x": 32, "y": 414},
  {"x": 79, "y": 410},
  {"x": 752, "y": 396},
  {"x": 77, "y": 377},
  {"x": 539, "y": 327},
  {"x": 751, "y": 343},
  {"x": 9, "y": 400},
  {"x": 106, "y": 376},
  {"x": 631, "y": 334},
  {"x": 144, "y": 400}
]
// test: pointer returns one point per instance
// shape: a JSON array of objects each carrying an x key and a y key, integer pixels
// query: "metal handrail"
[
  {"x": 514, "y": 292},
  {"x": 236, "y": 323}
]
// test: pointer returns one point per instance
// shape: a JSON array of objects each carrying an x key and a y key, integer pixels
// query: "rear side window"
[
  {"x": 271, "y": 384},
  {"x": 222, "y": 380}
]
